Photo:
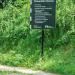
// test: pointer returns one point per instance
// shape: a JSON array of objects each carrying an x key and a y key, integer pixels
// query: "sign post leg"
[{"x": 42, "y": 41}]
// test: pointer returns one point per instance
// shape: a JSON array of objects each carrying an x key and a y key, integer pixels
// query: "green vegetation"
[
  {"x": 20, "y": 45},
  {"x": 11, "y": 73}
]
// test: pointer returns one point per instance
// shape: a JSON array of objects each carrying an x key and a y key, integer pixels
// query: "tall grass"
[{"x": 20, "y": 45}]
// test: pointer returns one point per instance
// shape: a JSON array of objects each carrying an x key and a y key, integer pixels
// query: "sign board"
[{"x": 42, "y": 14}]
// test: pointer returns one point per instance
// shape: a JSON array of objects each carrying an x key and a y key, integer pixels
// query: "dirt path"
[{"x": 23, "y": 70}]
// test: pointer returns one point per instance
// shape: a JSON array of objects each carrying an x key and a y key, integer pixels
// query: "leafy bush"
[{"x": 20, "y": 45}]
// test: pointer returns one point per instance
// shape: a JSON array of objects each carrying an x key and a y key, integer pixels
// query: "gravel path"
[{"x": 23, "y": 70}]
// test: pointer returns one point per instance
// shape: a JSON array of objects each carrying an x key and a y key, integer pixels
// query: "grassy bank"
[{"x": 20, "y": 45}]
